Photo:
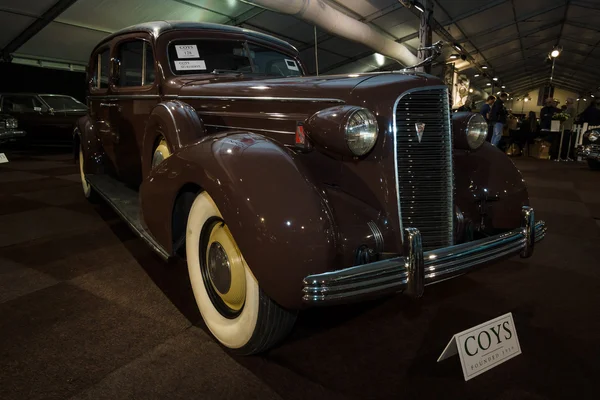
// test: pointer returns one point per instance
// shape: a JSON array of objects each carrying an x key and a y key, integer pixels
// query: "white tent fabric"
[{"x": 512, "y": 38}]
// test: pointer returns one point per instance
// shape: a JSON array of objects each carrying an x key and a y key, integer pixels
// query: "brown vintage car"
[{"x": 285, "y": 191}]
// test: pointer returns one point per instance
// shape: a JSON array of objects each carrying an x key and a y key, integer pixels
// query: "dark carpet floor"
[{"x": 88, "y": 312}]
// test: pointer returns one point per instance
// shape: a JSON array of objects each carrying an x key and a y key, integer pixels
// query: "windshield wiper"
[{"x": 227, "y": 71}]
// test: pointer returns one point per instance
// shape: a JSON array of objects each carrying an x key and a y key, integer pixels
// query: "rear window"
[{"x": 195, "y": 56}]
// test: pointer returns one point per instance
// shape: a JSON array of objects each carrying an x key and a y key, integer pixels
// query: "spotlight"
[
  {"x": 584, "y": 99},
  {"x": 503, "y": 87},
  {"x": 496, "y": 79},
  {"x": 555, "y": 53},
  {"x": 484, "y": 67},
  {"x": 489, "y": 84},
  {"x": 418, "y": 7},
  {"x": 526, "y": 99},
  {"x": 454, "y": 56},
  {"x": 577, "y": 99},
  {"x": 498, "y": 93},
  {"x": 457, "y": 47},
  {"x": 476, "y": 76},
  {"x": 592, "y": 95},
  {"x": 471, "y": 90}
]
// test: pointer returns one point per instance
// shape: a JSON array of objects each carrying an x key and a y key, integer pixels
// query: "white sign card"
[
  {"x": 187, "y": 51},
  {"x": 3, "y": 158},
  {"x": 484, "y": 346},
  {"x": 291, "y": 65},
  {"x": 190, "y": 65}
]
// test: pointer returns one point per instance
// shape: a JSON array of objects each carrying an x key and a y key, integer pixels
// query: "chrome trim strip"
[
  {"x": 261, "y": 98},
  {"x": 377, "y": 236},
  {"x": 123, "y": 96},
  {"x": 250, "y": 129},
  {"x": 416, "y": 268}
]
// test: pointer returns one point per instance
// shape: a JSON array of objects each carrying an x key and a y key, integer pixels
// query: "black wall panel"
[{"x": 25, "y": 78}]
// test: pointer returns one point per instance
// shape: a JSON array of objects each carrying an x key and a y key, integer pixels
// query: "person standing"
[
  {"x": 485, "y": 112},
  {"x": 546, "y": 123},
  {"x": 591, "y": 115},
  {"x": 498, "y": 116}
]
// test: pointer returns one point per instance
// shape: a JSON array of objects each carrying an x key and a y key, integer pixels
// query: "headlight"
[
  {"x": 592, "y": 136},
  {"x": 476, "y": 131},
  {"x": 11, "y": 123},
  {"x": 361, "y": 132}
]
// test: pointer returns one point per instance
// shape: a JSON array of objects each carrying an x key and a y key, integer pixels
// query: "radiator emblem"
[{"x": 420, "y": 128}]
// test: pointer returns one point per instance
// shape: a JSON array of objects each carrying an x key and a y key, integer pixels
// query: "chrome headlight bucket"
[
  {"x": 476, "y": 131},
  {"x": 361, "y": 131},
  {"x": 592, "y": 135}
]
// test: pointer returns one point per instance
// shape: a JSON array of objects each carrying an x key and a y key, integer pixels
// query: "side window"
[
  {"x": 101, "y": 68},
  {"x": 20, "y": 103},
  {"x": 137, "y": 64}
]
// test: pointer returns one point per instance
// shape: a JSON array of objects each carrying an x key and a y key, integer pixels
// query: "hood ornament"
[{"x": 420, "y": 128}]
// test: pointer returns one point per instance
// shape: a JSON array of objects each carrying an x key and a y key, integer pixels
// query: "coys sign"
[
  {"x": 484, "y": 346},
  {"x": 420, "y": 128}
]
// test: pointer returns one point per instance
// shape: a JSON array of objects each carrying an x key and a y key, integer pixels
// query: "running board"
[{"x": 126, "y": 203}]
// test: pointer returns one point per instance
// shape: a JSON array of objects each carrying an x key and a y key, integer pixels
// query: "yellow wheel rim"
[
  {"x": 161, "y": 153},
  {"x": 226, "y": 274}
]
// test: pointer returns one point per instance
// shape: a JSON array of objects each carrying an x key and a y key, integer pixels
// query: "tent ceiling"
[{"x": 511, "y": 37}]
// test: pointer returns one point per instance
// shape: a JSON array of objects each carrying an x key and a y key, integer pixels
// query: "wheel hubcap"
[
  {"x": 223, "y": 269},
  {"x": 219, "y": 269}
]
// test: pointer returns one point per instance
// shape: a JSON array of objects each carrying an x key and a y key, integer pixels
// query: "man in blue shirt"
[
  {"x": 498, "y": 116},
  {"x": 485, "y": 111}
]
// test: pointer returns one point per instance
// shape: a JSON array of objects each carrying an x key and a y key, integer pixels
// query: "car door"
[
  {"x": 136, "y": 93},
  {"x": 100, "y": 106}
]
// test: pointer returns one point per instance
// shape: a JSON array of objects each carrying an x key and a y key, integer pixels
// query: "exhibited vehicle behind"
[
  {"x": 48, "y": 119},
  {"x": 284, "y": 191},
  {"x": 589, "y": 150}
]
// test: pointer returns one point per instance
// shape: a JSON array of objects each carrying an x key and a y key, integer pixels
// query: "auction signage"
[{"x": 485, "y": 346}]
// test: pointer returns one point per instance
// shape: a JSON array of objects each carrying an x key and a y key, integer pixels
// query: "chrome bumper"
[
  {"x": 411, "y": 272},
  {"x": 12, "y": 134},
  {"x": 588, "y": 152}
]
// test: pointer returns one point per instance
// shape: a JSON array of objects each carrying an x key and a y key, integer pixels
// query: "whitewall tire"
[
  {"x": 235, "y": 310},
  {"x": 87, "y": 188}
]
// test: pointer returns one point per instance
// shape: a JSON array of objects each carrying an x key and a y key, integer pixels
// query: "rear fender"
[
  {"x": 279, "y": 219},
  {"x": 85, "y": 135}
]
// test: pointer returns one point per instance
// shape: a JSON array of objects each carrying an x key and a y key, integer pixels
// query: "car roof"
[
  {"x": 33, "y": 94},
  {"x": 157, "y": 28}
]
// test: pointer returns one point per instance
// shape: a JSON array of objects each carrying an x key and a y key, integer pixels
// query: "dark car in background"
[{"x": 48, "y": 119}]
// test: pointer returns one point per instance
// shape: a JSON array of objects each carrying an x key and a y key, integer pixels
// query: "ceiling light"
[
  {"x": 379, "y": 59},
  {"x": 577, "y": 99},
  {"x": 471, "y": 90},
  {"x": 584, "y": 99},
  {"x": 475, "y": 76},
  {"x": 418, "y": 7},
  {"x": 526, "y": 99},
  {"x": 495, "y": 79},
  {"x": 484, "y": 67},
  {"x": 489, "y": 84},
  {"x": 457, "y": 47},
  {"x": 503, "y": 87},
  {"x": 592, "y": 95},
  {"x": 498, "y": 93},
  {"x": 454, "y": 56},
  {"x": 555, "y": 53}
]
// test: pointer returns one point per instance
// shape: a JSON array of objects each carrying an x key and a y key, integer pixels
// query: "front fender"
[
  {"x": 85, "y": 135},
  {"x": 489, "y": 172},
  {"x": 279, "y": 219}
]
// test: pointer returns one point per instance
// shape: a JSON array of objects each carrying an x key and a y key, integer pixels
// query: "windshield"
[
  {"x": 198, "y": 56},
  {"x": 61, "y": 103}
]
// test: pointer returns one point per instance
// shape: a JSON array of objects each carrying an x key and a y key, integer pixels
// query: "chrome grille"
[{"x": 424, "y": 169}]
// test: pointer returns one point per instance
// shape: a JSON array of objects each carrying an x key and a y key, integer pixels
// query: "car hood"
[{"x": 318, "y": 87}]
